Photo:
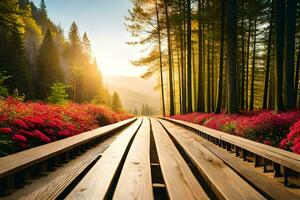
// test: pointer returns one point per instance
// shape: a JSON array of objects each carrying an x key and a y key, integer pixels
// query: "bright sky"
[{"x": 103, "y": 20}]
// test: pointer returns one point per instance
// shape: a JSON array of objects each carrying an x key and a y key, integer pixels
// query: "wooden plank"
[
  {"x": 21, "y": 160},
  {"x": 221, "y": 134},
  {"x": 179, "y": 179},
  {"x": 282, "y": 157},
  {"x": 51, "y": 184},
  {"x": 266, "y": 185},
  {"x": 205, "y": 154},
  {"x": 97, "y": 182},
  {"x": 135, "y": 180}
]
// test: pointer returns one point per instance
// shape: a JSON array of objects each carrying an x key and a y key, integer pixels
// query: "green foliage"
[
  {"x": 229, "y": 127},
  {"x": 7, "y": 146},
  {"x": 116, "y": 104},
  {"x": 3, "y": 88},
  {"x": 17, "y": 96},
  {"x": 58, "y": 94},
  {"x": 43, "y": 8},
  {"x": 103, "y": 98},
  {"x": 12, "y": 54}
]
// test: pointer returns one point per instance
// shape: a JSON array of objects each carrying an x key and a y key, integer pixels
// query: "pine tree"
[
  {"x": 86, "y": 47},
  {"x": 74, "y": 59},
  {"x": 232, "y": 51},
  {"x": 12, "y": 53},
  {"x": 189, "y": 56},
  {"x": 289, "y": 64},
  {"x": 43, "y": 16},
  {"x": 49, "y": 70},
  {"x": 95, "y": 85},
  {"x": 171, "y": 95},
  {"x": 220, "y": 83},
  {"x": 116, "y": 102},
  {"x": 280, "y": 13}
]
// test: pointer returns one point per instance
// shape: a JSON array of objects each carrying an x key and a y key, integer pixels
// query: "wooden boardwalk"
[{"x": 147, "y": 158}]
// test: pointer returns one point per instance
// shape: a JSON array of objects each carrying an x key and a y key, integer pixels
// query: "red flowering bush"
[
  {"x": 292, "y": 141},
  {"x": 275, "y": 129},
  {"x": 26, "y": 125}
]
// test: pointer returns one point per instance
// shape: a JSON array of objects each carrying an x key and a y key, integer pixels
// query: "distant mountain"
[{"x": 134, "y": 91}]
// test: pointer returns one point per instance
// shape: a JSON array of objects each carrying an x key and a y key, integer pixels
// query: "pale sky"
[{"x": 103, "y": 20}]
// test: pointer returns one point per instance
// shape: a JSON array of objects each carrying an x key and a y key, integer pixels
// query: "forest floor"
[
  {"x": 280, "y": 130},
  {"x": 26, "y": 125}
]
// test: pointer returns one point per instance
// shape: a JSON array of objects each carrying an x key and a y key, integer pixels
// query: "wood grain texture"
[
  {"x": 266, "y": 185},
  {"x": 179, "y": 179},
  {"x": 282, "y": 157},
  {"x": 96, "y": 183},
  {"x": 21, "y": 160},
  {"x": 222, "y": 179},
  {"x": 135, "y": 179}
]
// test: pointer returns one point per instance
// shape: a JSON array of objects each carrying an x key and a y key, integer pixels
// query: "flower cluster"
[
  {"x": 292, "y": 141},
  {"x": 275, "y": 129},
  {"x": 26, "y": 125}
]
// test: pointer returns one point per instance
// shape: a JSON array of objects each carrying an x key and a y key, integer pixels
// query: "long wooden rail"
[
  {"x": 144, "y": 159},
  {"x": 213, "y": 162},
  {"x": 283, "y": 162},
  {"x": 15, "y": 168}
]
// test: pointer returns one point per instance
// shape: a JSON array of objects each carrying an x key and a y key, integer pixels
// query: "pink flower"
[
  {"x": 296, "y": 148},
  {"x": 21, "y": 123},
  {"x": 26, "y": 133},
  {"x": 50, "y": 131},
  {"x": 267, "y": 142},
  {"x": 6, "y": 130},
  {"x": 3, "y": 117},
  {"x": 34, "y": 121},
  {"x": 41, "y": 136},
  {"x": 64, "y": 133},
  {"x": 19, "y": 138},
  {"x": 283, "y": 144},
  {"x": 297, "y": 141},
  {"x": 55, "y": 123}
]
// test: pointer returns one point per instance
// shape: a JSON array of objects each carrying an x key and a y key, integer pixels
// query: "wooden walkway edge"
[{"x": 148, "y": 158}]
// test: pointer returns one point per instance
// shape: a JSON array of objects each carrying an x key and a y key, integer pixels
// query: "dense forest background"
[
  {"x": 34, "y": 54},
  {"x": 226, "y": 55}
]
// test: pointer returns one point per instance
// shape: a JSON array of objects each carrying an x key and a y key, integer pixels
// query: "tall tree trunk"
[
  {"x": 290, "y": 54},
  {"x": 296, "y": 82},
  {"x": 189, "y": 55},
  {"x": 194, "y": 80},
  {"x": 182, "y": 52},
  {"x": 179, "y": 75},
  {"x": 271, "y": 100},
  {"x": 173, "y": 71},
  {"x": 247, "y": 65},
  {"x": 220, "y": 75},
  {"x": 280, "y": 13},
  {"x": 253, "y": 68},
  {"x": 232, "y": 51},
  {"x": 242, "y": 93},
  {"x": 172, "y": 109},
  {"x": 212, "y": 75},
  {"x": 160, "y": 60},
  {"x": 208, "y": 91},
  {"x": 203, "y": 54},
  {"x": 267, "y": 75},
  {"x": 200, "y": 106}
]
